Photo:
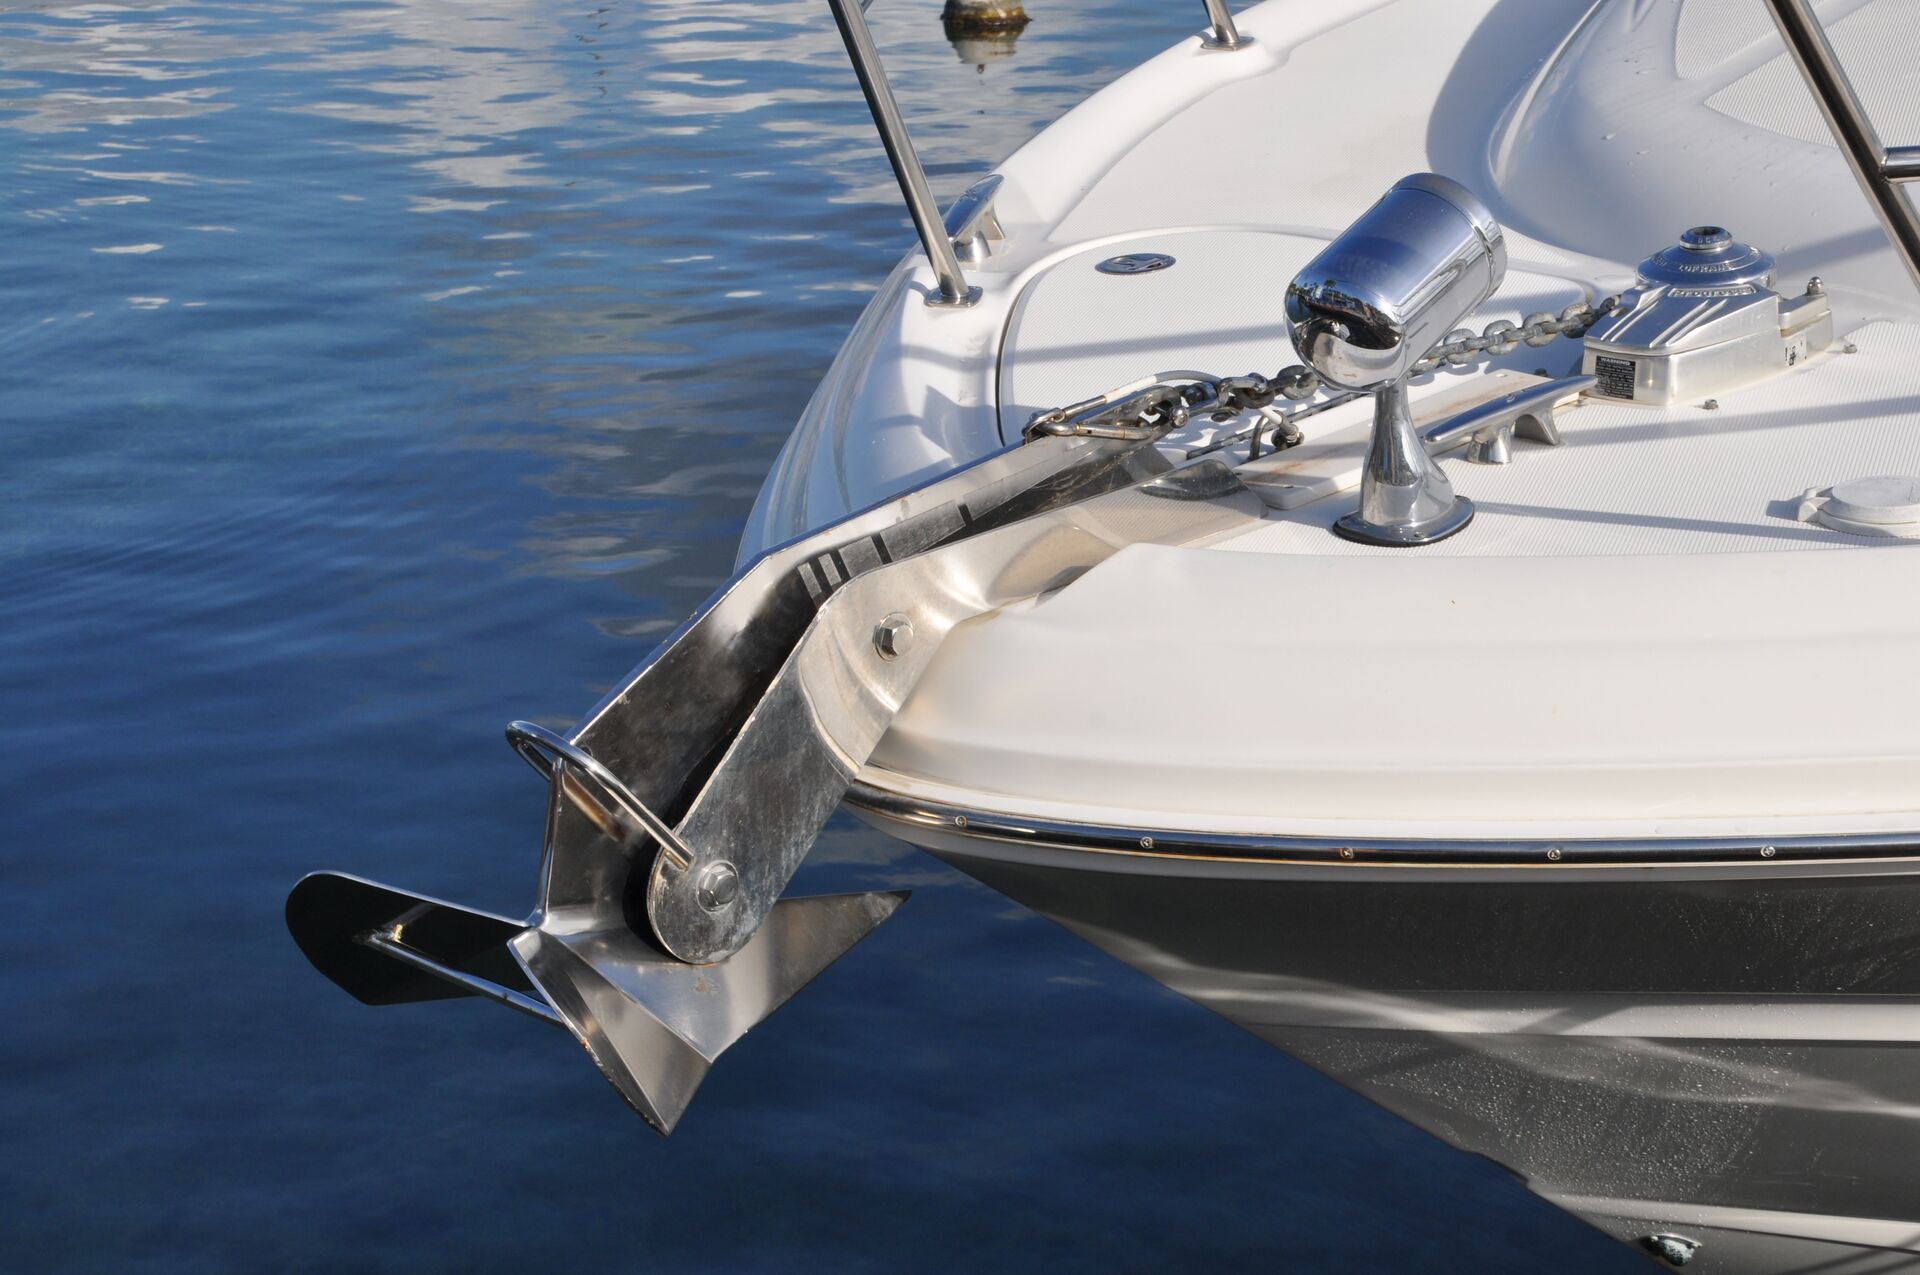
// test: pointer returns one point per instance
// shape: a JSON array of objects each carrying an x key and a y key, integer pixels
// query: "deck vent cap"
[{"x": 1878, "y": 506}]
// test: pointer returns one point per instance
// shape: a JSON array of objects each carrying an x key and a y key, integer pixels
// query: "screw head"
[
  {"x": 1346, "y": 852},
  {"x": 1146, "y": 843},
  {"x": 1767, "y": 852},
  {"x": 893, "y": 636},
  {"x": 717, "y": 886},
  {"x": 1712, "y": 405},
  {"x": 1553, "y": 854}
]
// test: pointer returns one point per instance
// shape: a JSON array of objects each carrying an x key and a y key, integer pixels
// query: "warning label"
[{"x": 1615, "y": 376}]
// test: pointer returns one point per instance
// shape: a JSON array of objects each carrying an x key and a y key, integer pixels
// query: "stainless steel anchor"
[{"x": 681, "y": 805}]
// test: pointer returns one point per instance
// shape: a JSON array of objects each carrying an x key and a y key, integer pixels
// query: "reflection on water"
[{"x": 377, "y": 373}]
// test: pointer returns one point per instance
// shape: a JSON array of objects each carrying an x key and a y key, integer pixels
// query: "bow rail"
[
  {"x": 970, "y": 224},
  {"x": 1880, "y": 169}
]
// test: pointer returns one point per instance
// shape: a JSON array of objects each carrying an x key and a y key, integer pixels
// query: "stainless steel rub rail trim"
[{"x": 1531, "y": 852}]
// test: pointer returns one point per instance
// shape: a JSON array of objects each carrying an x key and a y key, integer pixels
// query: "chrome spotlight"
[{"x": 1368, "y": 308}]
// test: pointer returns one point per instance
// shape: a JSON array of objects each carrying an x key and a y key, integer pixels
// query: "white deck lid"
[{"x": 1213, "y": 691}]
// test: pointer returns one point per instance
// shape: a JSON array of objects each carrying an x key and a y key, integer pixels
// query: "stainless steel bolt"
[
  {"x": 1146, "y": 843},
  {"x": 717, "y": 886},
  {"x": 1553, "y": 853},
  {"x": 960, "y": 821},
  {"x": 893, "y": 636},
  {"x": 1766, "y": 852},
  {"x": 1346, "y": 852}
]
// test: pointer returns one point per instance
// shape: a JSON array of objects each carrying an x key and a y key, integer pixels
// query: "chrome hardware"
[
  {"x": 972, "y": 225},
  {"x": 389, "y": 942},
  {"x": 679, "y": 808},
  {"x": 1135, "y": 409},
  {"x": 1383, "y": 295},
  {"x": 1139, "y": 410},
  {"x": 1704, "y": 319},
  {"x": 1527, "y": 412},
  {"x": 1878, "y": 168},
  {"x": 1028, "y": 830},
  {"x": 1367, "y": 310},
  {"x": 1901, "y": 163},
  {"x": 1708, "y": 261},
  {"x": 1405, "y": 499},
  {"x": 1134, "y": 263},
  {"x": 532, "y": 742},
  {"x": 1221, "y": 33},
  {"x": 391, "y": 947},
  {"x": 893, "y": 636},
  {"x": 970, "y": 228},
  {"x": 780, "y": 675},
  {"x": 655, "y": 1025},
  {"x": 718, "y": 885},
  {"x": 852, "y": 20}
]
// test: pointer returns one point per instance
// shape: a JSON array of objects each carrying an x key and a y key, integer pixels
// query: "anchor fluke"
[
  {"x": 392, "y": 947},
  {"x": 652, "y": 1024}
]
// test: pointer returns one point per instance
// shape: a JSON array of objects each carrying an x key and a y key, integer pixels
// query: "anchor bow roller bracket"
[{"x": 680, "y": 806}]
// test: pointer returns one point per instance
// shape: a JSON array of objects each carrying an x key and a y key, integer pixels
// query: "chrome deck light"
[{"x": 1365, "y": 311}]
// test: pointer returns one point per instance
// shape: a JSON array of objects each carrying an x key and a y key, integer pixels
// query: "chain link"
[{"x": 1133, "y": 413}]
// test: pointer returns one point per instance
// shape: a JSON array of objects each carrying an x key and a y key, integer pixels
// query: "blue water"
[{"x": 376, "y": 373}]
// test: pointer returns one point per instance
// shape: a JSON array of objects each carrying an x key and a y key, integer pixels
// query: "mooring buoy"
[
  {"x": 972, "y": 17},
  {"x": 984, "y": 31}
]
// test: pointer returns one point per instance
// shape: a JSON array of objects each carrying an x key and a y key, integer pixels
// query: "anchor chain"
[{"x": 1133, "y": 412}]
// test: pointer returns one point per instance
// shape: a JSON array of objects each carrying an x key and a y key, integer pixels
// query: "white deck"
[{"x": 1635, "y": 636}]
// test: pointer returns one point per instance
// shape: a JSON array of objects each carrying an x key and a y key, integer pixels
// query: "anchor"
[
  {"x": 679, "y": 808},
  {"x": 681, "y": 805}
]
